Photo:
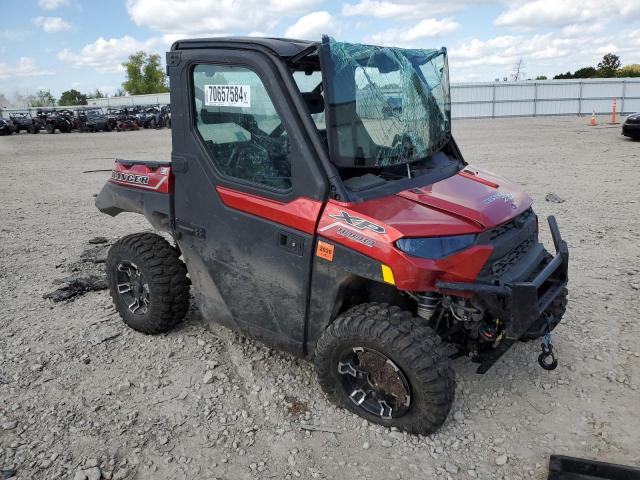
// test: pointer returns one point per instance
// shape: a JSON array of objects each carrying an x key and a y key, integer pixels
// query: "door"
[{"x": 248, "y": 193}]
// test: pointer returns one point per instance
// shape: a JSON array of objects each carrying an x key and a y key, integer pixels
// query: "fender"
[{"x": 139, "y": 187}]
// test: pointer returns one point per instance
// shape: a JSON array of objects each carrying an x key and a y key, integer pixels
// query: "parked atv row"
[
  {"x": 17, "y": 122},
  {"x": 87, "y": 119},
  {"x": 134, "y": 118}
]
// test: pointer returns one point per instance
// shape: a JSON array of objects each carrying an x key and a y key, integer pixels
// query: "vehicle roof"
[{"x": 284, "y": 47}]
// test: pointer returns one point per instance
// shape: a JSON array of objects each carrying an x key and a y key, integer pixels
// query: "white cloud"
[
  {"x": 312, "y": 26},
  {"x": 52, "y": 4},
  {"x": 213, "y": 17},
  {"x": 507, "y": 49},
  {"x": 548, "y": 13},
  {"x": 554, "y": 13},
  {"x": 580, "y": 30},
  {"x": 25, "y": 67},
  {"x": 407, "y": 9},
  {"x": 427, "y": 28},
  {"x": 107, "y": 55},
  {"x": 547, "y": 54},
  {"x": 52, "y": 24}
]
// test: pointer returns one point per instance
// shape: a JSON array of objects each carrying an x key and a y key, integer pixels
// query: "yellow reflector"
[{"x": 387, "y": 274}]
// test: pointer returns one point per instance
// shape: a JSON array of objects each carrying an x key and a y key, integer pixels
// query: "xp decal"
[
  {"x": 356, "y": 222},
  {"x": 358, "y": 237}
]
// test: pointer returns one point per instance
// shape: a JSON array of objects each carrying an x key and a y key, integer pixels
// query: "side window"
[{"x": 240, "y": 126}]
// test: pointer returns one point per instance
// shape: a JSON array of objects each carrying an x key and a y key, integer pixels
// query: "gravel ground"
[{"x": 84, "y": 397}]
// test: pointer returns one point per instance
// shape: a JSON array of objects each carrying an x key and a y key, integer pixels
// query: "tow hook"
[{"x": 547, "y": 359}]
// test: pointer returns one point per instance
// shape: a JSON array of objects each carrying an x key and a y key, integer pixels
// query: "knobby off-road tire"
[
  {"x": 163, "y": 277},
  {"x": 405, "y": 341}
]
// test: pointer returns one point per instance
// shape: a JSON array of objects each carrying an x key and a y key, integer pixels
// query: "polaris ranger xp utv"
[{"x": 312, "y": 219}]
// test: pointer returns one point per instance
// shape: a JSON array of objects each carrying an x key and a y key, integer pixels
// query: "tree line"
[
  {"x": 610, "y": 66},
  {"x": 143, "y": 74}
]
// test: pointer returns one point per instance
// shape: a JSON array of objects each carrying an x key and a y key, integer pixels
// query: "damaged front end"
[{"x": 505, "y": 308}]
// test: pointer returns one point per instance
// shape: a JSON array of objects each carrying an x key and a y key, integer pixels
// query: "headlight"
[{"x": 435, "y": 247}]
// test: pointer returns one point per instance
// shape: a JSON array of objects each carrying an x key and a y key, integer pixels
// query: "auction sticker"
[
  {"x": 325, "y": 250},
  {"x": 227, "y": 96}
]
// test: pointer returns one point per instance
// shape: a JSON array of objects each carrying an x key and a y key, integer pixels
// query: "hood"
[
  {"x": 634, "y": 118},
  {"x": 474, "y": 195},
  {"x": 469, "y": 202}
]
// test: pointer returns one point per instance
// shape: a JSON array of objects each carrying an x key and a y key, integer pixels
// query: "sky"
[{"x": 62, "y": 44}]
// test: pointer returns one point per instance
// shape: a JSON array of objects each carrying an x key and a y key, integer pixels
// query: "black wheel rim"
[
  {"x": 132, "y": 288},
  {"x": 374, "y": 383}
]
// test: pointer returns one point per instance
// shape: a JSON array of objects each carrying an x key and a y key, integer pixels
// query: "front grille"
[
  {"x": 517, "y": 222},
  {"x": 502, "y": 265},
  {"x": 511, "y": 241}
]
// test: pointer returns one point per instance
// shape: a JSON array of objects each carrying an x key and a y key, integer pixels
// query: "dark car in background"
[
  {"x": 24, "y": 121},
  {"x": 93, "y": 120},
  {"x": 631, "y": 128}
]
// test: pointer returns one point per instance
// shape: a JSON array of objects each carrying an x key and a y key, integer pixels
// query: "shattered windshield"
[{"x": 387, "y": 106}]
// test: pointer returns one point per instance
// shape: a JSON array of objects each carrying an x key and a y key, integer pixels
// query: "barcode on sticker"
[{"x": 227, "y": 96}]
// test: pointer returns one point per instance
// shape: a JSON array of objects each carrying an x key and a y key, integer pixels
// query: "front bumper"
[
  {"x": 631, "y": 130},
  {"x": 519, "y": 304}
]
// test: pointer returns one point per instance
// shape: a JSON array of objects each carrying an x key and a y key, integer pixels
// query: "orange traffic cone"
[
  {"x": 613, "y": 112},
  {"x": 593, "y": 119}
]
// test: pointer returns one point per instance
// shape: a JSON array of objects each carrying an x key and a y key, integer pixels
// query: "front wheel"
[
  {"x": 381, "y": 363},
  {"x": 148, "y": 282}
]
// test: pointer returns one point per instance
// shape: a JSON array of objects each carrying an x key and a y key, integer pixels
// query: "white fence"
[
  {"x": 544, "y": 97},
  {"x": 494, "y": 99},
  {"x": 502, "y": 99},
  {"x": 150, "y": 99}
]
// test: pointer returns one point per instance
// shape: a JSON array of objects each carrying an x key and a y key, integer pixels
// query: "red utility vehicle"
[{"x": 313, "y": 218}]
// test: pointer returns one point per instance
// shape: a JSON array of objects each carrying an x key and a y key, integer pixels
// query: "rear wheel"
[
  {"x": 33, "y": 129},
  {"x": 50, "y": 128},
  {"x": 148, "y": 282},
  {"x": 383, "y": 364}
]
